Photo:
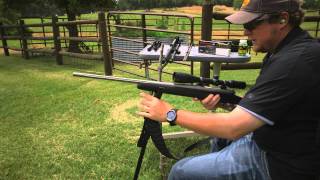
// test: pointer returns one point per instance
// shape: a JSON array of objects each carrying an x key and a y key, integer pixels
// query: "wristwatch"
[{"x": 172, "y": 116}]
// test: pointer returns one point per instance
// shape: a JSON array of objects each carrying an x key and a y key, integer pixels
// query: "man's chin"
[{"x": 257, "y": 49}]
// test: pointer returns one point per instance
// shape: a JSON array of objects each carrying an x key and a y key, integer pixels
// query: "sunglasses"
[{"x": 253, "y": 24}]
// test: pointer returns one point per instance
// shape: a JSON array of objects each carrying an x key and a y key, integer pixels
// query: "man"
[{"x": 275, "y": 127}]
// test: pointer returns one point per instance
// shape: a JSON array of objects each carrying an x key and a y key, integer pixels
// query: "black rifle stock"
[
  {"x": 227, "y": 96},
  {"x": 153, "y": 128}
]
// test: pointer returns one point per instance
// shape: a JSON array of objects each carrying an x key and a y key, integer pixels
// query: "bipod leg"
[
  {"x": 138, "y": 167},
  {"x": 143, "y": 141}
]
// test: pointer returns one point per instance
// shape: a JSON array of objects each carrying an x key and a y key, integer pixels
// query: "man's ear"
[{"x": 284, "y": 19}]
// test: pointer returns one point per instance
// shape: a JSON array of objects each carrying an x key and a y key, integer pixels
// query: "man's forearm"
[
  {"x": 212, "y": 124},
  {"x": 232, "y": 125}
]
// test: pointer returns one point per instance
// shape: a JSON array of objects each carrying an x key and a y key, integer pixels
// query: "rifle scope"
[{"x": 179, "y": 77}]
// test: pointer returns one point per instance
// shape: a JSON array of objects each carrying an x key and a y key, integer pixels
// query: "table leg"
[
  {"x": 216, "y": 70},
  {"x": 146, "y": 69}
]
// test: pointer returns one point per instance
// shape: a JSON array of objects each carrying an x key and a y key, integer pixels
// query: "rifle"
[
  {"x": 154, "y": 46},
  {"x": 169, "y": 56},
  {"x": 153, "y": 128},
  {"x": 171, "y": 53}
]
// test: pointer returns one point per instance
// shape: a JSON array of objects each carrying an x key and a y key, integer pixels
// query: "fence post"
[
  {"x": 110, "y": 38},
  {"x": 43, "y": 31},
  {"x": 105, "y": 45},
  {"x": 25, "y": 52},
  {"x": 206, "y": 33},
  {"x": 56, "y": 36},
  {"x": 144, "y": 39},
  {"x": 144, "y": 31},
  {"x": 4, "y": 41},
  {"x": 191, "y": 42},
  {"x": 317, "y": 28}
]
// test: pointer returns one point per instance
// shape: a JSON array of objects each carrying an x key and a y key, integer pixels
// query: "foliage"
[
  {"x": 163, "y": 22},
  {"x": 10, "y": 10},
  {"x": 81, "y": 6},
  {"x": 311, "y": 4},
  {"x": 148, "y": 4},
  {"x": 224, "y": 2},
  {"x": 237, "y": 4},
  {"x": 307, "y": 4}
]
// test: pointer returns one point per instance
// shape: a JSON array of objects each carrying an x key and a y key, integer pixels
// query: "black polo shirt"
[{"x": 287, "y": 96}]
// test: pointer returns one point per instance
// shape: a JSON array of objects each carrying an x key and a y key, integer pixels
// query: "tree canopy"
[{"x": 11, "y": 10}]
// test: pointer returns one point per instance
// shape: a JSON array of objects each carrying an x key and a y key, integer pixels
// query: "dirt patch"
[
  {"x": 197, "y": 10},
  {"x": 223, "y": 9},
  {"x": 190, "y": 10},
  {"x": 119, "y": 112}
]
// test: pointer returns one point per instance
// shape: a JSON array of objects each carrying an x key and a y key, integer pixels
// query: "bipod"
[
  {"x": 151, "y": 129},
  {"x": 143, "y": 140}
]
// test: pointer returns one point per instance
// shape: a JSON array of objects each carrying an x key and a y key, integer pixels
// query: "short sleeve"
[{"x": 279, "y": 87}]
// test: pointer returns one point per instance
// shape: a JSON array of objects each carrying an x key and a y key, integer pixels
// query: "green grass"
[{"x": 56, "y": 126}]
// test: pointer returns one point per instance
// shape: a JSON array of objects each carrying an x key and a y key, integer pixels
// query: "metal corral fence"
[
  {"x": 117, "y": 38},
  {"x": 130, "y": 32}
]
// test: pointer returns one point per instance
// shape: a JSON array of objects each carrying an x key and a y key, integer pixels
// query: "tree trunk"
[{"x": 73, "y": 32}]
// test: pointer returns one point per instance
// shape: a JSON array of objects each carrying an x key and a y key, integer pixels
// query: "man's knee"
[
  {"x": 182, "y": 171},
  {"x": 173, "y": 175},
  {"x": 177, "y": 172}
]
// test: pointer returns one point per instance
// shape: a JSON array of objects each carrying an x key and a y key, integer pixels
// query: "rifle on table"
[
  {"x": 171, "y": 53},
  {"x": 154, "y": 46},
  {"x": 169, "y": 56},
  {"x": 153, "y": 128}
]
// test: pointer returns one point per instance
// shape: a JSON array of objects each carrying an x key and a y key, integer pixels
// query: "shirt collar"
[{"x": 290, "y": 36}]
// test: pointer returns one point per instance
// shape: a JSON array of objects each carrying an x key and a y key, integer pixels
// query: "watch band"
[{"x": 173, "y": 122}]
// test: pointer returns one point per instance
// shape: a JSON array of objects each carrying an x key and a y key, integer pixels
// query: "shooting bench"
[{"x": 194, "y": 55}]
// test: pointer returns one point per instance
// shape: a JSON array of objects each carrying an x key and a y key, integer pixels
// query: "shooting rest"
[{"x": 196, "y": 57}]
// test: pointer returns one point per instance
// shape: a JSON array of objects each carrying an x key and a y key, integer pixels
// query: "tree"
[
  {"x": 74, "y": 7},
  {"x": 148, "y": 4},
  {"x": 10, "y": 10},
  {"x": 311, "y": 4}
]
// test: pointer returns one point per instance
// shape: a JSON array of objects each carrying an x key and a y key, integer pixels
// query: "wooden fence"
[
  {"x": 24, "y": 36},
  {"x": 102, "y": 33}
]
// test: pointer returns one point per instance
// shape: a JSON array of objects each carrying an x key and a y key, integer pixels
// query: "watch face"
[{"x": 171, "y": 115}]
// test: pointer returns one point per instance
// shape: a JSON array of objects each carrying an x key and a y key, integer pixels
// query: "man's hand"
[
  {"x": 211, "y": 102},
  {"x": 153, "y": 108}
]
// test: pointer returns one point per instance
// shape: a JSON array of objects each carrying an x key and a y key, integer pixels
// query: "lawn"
[{"x": 56, "y": 126}]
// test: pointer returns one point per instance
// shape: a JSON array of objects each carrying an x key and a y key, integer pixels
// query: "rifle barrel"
[{"x": 121, "y": 79}]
